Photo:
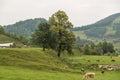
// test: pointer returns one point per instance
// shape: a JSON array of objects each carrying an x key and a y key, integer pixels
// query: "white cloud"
[{"x": 80, "y": 12}]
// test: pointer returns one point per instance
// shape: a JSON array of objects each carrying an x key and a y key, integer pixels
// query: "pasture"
[
  {"x": 16, "y": 73},
  {"x": 34, "y": 64}
]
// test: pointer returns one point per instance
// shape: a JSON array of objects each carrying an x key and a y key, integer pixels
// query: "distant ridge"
[
  {"x": 101, "y": 23},
  {"x": 25, "y": 28},
  {"x": 107, "y": 28}
]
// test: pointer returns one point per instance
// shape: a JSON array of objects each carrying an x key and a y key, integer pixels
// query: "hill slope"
[
  {"x": 25, "y": 28},
  {"x": 107, "y": 28},
  {"x": 6, "y": 39},
  {"x": 34, "y": 64},
  {"x": 33, "y": 58}
]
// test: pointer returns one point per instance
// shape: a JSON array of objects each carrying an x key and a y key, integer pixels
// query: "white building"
[{"x": 6, "y": 45}]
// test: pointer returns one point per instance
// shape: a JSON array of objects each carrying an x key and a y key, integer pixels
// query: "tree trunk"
[
  {"x": 59, "y": 50},
  {"x": 58, "y": 53},
  {"x": 43, "y": 48}
]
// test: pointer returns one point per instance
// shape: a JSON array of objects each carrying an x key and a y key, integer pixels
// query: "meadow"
[{"x": 34, "y": 64}]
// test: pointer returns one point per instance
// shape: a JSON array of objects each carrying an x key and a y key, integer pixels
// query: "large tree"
[
  {"x": 41, "y": 35},
  {"x": 65, "y": 38}
]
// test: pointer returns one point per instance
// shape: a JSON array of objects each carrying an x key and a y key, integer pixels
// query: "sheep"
[
  {"x": 98, "y": 60},
  {"x": 102, "y": 71},
  {"x": 89, "y": 75},
  {"x": 113, "y": 60},
  {"x": 89, "y": 61},
  {"x": 66, "y": 67},
  {"x": 82, "y": 70}
]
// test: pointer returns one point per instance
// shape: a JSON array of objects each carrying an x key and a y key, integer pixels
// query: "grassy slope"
[
  {"x": 30, "y": 58},
  {"x": 34, "y": 64},
  {"x": 6, "y": 39},
  {"x": 13, "y": 73},
  {"x": 82, "y": 61}
]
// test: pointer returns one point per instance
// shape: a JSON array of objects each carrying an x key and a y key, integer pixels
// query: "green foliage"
[
  {"x": 107, "y": 28},
  {"x": 59, "y": 21},
  {"x": 107, "y": 47},
  {"x": 99, "y": 49},
  {"x": 86, "y": 49},
  {"x": 25, "y": 28},
  {"x": 1, "y": 30},
  {"x": 41, "y": 37},
  {"x": 60, "y": 18},
  {"x": 81, "y": 42},
  {"x": 96, "y": 32}
]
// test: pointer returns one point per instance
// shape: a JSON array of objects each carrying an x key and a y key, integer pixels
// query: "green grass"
[
  {"x": 79, "y": 62},
  {"x": 35, "y": 64},
  {"x": 6, "y": 39},
  {"x": 15, "y": 73},
  {"x": 103, "y": 59},
  {"x": 33, "y": 58}
]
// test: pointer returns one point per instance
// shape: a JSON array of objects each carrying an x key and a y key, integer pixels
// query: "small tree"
[
  {"x": 41, "y": 35},
  {"x": 86, "y": 49}
]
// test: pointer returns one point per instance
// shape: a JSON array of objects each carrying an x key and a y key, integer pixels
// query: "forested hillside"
[
  {"x": 25, "y": 28},
  {"x": 107, "y": 28}
]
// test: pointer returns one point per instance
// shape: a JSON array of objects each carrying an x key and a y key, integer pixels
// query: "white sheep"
[{"x": 89, "y": 75}]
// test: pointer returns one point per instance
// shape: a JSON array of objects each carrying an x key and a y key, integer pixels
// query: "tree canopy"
[
  {"x": 55, "y": 34},
  {"x": 41, "y": 37},
  {"x": 60, "y": 22}
]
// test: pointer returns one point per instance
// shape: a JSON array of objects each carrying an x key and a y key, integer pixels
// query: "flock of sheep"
[{"x": 91, "y": 74}]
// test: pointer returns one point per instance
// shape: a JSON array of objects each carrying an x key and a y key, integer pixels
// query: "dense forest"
[{"x": 24, "y": 28}]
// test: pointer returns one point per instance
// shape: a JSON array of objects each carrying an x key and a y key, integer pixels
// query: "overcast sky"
[{"x": 80, "y": 12}]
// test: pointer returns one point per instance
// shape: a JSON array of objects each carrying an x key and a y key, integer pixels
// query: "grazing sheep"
[
  {"x": 89, "y": 75},
  {"x": 82, "y": 70},
  {"x": 110, "y": 68},
  {"x": 66, "y": 67},
  {"x": 89, "y": 61},
  {"x": 113, "y": 60},
  {"x": 102, "y": 71},
  {"x": 98, "y": 60}
]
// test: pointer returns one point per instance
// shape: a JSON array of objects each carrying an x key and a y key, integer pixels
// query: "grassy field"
[
  {"x": 103, "y": 59},
  {"x": 34, "y": 64},
  {"x": 15, "y": 73},
  {"x": 6, "y": 39},
  {"x": 33, "y": 58}
]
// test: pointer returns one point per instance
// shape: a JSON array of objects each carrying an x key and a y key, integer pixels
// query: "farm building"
[{"x": 7, "y": 45}]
